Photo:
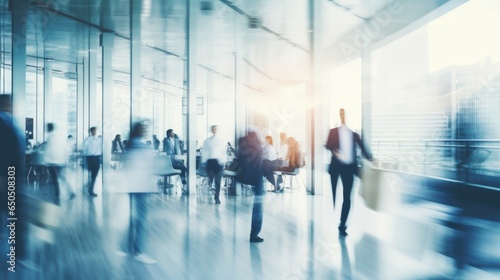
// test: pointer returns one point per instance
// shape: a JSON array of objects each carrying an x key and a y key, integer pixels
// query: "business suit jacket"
[
  {"x": 115, "y": 145},
  {"x": 169, "y": 148},
  {"x": 249, "y": 157},
  {"x": 333, "y": 143}
]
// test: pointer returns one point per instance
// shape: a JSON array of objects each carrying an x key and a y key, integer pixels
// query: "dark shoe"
[
  {"x": 342, "y": 230},
  {"x": 256, "y": 239},
  {"x": 92, "y": 194},
  {"x": 145, "y": 259},
  {"x": 217, "y": 201}
]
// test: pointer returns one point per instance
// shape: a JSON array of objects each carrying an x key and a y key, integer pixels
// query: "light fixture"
[
  {"x": 254, "y": 22},
  {"x": 206, "y": 7}
]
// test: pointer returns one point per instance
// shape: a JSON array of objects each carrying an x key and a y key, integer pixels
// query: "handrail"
[{"x": 473, "y": 161}]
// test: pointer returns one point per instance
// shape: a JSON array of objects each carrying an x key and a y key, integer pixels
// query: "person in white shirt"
[
  {"x": 342, "y": 143},
  {"x": 283, "y": 151},
  {"x": 56, "y": 157},
  {"x": 270, "y": 162},
  {"x": 213, "y": 155},
  {"x": 92, "y": 150},
  {"x": 269, "y": 152}
]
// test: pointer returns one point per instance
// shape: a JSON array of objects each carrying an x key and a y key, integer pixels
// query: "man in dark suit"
[
  {"x": 171, "y": 147},
  {"x": 342, "y": 143}
]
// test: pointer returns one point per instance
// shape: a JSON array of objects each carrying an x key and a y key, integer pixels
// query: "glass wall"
[
  {"x": 34, "y": 105},
  {"x": 121, "y": 110},
  {"x": 5, "y": 51},
  {"x": 345, "y": 92},
  {"x": 436, "y": 95},
  {"x": 64, "y": 104}
]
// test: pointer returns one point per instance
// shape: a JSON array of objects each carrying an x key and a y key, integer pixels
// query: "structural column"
[
  {"x": 47, "y": 95},
  {"x": 191, "y": 64},
  {"x": 90, "y": 117},
  {"x": 366, "y": 98},
  {"x": 240, "y": 109},
  {"x": 315, "y": 117},
  {"x": 19, "y": 73},
  {"x": 80, "y": 129},
  {"x": 239, "y": 98},
  {"x": 136, "y": 95},
  {"x": 107, "y": 99}
]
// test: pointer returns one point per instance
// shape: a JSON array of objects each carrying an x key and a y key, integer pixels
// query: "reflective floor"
[{"x": 193, "y": 238}]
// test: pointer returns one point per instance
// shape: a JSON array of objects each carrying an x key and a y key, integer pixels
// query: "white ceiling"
[{"x": 274, "y": 53}]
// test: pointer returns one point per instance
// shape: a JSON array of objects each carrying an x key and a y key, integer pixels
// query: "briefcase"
[{"x": 370, "y": 187}]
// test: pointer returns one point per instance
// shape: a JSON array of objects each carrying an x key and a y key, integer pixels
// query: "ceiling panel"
[{"x": 273, "y": 53}]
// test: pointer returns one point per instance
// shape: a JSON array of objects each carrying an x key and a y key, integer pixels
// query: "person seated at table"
[
  {"x": 171, "y": 147},
  {"x": 294, "y": 159},
  {"x": 270, "y": 161},
  {"x": 269, "y": 152},
  {"x": 117, "y": 150},
  {"x": 117, "y": 145},
  {"x": 156, "y": 143}
]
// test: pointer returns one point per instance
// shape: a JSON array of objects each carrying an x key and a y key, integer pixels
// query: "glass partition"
[
  {"x": 34, "y": 105},
  {"x": 436, "y": 95}
]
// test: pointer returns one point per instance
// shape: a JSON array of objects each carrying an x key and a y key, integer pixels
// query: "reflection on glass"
[{"x": 435, "y": 112}]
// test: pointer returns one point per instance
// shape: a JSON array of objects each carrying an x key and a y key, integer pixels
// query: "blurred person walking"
[
  {"x": 250, "y": 160},
  {"x": 92, "y": 150},
  {"x": 213, "y": 155},
  {"x": 138, "y": 165},
  {"x": 56, "y": 157},
  {"x": 11, "y": 186},
  {"x": 342, "y": 143}
]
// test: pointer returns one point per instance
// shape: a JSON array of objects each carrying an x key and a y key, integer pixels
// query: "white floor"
[{"x": 193, "y": 238}]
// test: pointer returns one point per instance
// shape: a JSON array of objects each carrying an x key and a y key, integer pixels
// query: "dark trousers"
[
  {"x": 214, "y": 172},
  {"x": 178, "y": 164},
  {"x": 133, "y": 242},
  {"x": 346, "y": 173},
  {"x": 257, "y": 213},
  {"x": 93, "y": 164},
  {"x": 55, "y": 173},
  {"x": 269, "y": 167}
]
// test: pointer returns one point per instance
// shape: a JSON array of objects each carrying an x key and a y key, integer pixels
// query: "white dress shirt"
[
  {"x": 269, "y": 152},
  {"x": 55, "y": 152},
  {"x": 283, "y": 151},
  {"x": 345, "y": 154},
  {"x": 214, "y": 148},
  {"x": 92, "y": 146}
]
